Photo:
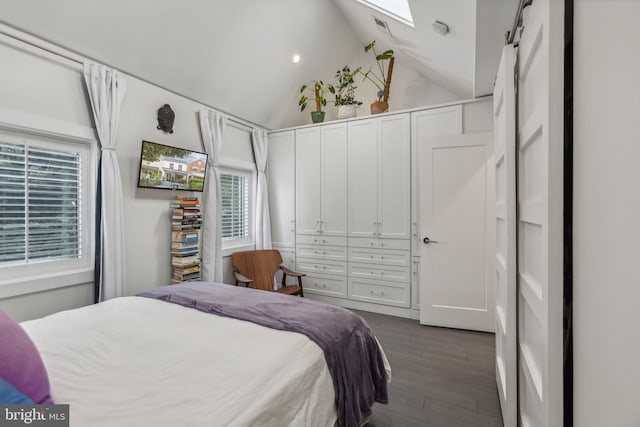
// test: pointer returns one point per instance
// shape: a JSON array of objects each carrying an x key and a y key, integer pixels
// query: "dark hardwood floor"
[{"x": 441, "y": 377}]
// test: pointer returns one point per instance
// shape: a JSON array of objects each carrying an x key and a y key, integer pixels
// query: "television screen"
[{"x": 171, "y": 168}]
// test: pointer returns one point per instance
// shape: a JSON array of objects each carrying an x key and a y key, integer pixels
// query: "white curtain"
[
  {"x": 263, "y": 221},
  {"x": 106, "y": 89},
  {"x": 212, "y": 125}
]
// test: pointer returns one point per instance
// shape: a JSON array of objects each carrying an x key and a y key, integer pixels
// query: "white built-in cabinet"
[
  {"x": 345, "y": 203},
  {"x": 321, "y": 192},
  {"x": 321, "y": 174},
  {"x": 380, "y": 177},
  {"x": 281, "y": 188}
]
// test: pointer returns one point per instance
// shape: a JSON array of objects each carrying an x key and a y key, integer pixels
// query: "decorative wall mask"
[{"x": 166, "y": 116}]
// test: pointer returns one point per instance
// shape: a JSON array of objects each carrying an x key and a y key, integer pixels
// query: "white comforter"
[{"x": 140, "y": 362}]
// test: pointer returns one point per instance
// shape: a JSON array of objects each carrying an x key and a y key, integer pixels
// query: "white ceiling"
[
  {"x": 465, "y": 60},
  {"x": 236, "y": 55}
]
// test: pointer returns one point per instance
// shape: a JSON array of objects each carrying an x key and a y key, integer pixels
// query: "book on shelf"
[
  {"x": 191, "y": 276},
  {"x": 186, "y": 222},
  {"x": 182, "y": 261},
  {"x": 186, "y": 270},
  {"x": 184, "y": 246}
]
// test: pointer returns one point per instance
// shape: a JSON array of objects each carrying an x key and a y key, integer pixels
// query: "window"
[
  {"x": 235, "y": 186},
  {"x": 396, "y": 9},
  {"x": 47, "y": 200},
  {"x": 40, "y": 204}
]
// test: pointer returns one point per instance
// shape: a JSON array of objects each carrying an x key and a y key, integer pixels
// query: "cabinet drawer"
[
  {"x": 310, "y": 265},
  {"x": 375, "y": 243},
  {"x": 378, "y": 292},
  {"x": 321, "y": 240},
  {"x": 380, "y": 272},
  {"x": 379, "y": 256},
  {"x": 329, "y": 253},
  {"x": 332, "y": 286}
]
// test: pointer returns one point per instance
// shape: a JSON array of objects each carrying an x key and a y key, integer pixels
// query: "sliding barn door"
[
  {"x": 540, "y": 222},
  {"x": 504, "y": 128}
]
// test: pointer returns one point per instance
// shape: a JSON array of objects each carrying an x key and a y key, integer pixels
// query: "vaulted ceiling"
[{"x": 236, "y": 55}]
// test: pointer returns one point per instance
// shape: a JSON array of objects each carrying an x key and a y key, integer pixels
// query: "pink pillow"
[{"x": 20, "y": 362}]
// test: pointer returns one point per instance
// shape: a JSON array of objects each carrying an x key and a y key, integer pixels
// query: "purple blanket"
[{"x": 350, "y": 348}]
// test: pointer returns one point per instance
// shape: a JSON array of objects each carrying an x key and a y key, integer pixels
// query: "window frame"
[
  {"x": 24, "y": 279},
  {"x": 240, "y": 167}
]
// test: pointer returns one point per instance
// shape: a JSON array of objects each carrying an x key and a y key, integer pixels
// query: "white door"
[
  {"x": 458, "y": 223},
  {"x": 281, "y": 188},
  {"x": 333, "y": 202},
  {"x": 540, "y": 222},
  {"x": 363, "y": 178},
  {"x": 308, "y": 181},
  {"x": 394, "y": 178},
  {"x": 504, "y": 129}
]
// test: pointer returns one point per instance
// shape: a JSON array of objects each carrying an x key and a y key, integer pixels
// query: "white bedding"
[{"x": 141, "y": 362}]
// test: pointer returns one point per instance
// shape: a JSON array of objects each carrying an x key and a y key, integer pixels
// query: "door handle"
[{"x": 427, "y": 240}]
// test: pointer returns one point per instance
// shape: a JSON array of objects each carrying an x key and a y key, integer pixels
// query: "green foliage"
[
  {"x": 380, "y": 81},
  {"x": 196, "y": 184},
  {"x": 318, "y": 95},
  {"x": 345, "y": 89},
  {"x": 152, "y": 152}
]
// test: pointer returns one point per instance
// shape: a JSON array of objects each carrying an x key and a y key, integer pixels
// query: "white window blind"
[
  {"x": 235, "y": 206},
  {"x": 40, "y": 204}
]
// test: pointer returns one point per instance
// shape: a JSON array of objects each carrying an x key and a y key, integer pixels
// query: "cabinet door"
[
  {"x": 427, "y": 124},
  {"x": 308, "y": 181},
  {"x": 363, "y": 178},
  {"x": 394, "y": 178},
  {"x": 281, "y": 188},
  {"x": 333, "y": 201}
]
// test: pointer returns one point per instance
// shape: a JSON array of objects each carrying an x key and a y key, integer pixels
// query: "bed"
[{"x": 151, "y": 361}]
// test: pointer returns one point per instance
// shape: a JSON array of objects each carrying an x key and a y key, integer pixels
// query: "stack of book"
[{"x": 186, "y": 221}]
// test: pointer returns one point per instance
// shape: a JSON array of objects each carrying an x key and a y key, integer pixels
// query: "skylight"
[{"x": 396, "y": 9}]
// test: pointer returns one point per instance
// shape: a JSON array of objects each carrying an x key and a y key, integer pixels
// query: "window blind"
[
  {"x": 235, "y": 206},
  {"x": 40, "y": 204}
]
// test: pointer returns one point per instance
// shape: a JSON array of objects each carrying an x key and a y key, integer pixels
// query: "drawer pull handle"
[{"x": 324, "y": 285}]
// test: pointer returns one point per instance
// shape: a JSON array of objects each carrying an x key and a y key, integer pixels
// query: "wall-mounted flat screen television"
[{"x": 171, "y": 168}]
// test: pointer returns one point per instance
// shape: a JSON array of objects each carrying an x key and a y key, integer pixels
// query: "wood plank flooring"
[{"x": 441, "y": 377}]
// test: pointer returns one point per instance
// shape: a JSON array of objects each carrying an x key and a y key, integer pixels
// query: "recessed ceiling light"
[{"x": 295, "y": 59}]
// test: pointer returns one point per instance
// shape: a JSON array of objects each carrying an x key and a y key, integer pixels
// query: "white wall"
[
  {"x": 409, "y": 89},
  {"x": 44, "y": 84},
  {"x": 606, "y": 213}
]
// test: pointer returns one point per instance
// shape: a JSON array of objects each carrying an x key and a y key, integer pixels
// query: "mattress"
[{"x": 140, "y": 362}]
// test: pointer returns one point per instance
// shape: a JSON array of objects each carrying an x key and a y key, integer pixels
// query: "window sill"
[
  {"x": 29, "y": 285},
  {"x": 229, "y": 250}
]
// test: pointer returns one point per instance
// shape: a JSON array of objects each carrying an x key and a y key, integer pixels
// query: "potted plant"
[
  {"x": 345, "y": 92},
  {"x": 317, "y": 116},
  {"x": 382, "y": 81}
]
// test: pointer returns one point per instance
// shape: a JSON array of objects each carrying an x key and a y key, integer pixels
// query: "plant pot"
[
  {"x": 317, "y": 116},
  {"x": 379, "y": 107},
  {"x": 346, "y": 111}
]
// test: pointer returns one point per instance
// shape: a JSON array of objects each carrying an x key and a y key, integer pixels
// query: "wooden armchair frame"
[{"x": 256, "y": 269}]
